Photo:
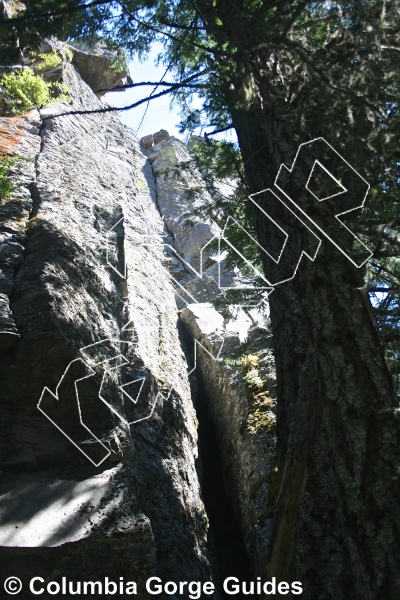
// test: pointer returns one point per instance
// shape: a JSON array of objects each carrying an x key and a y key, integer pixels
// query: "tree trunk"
[
  {"x": 337, "y": 520},
  {"x": 336, "y": 527}
]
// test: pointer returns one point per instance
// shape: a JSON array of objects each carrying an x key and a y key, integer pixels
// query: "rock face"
[
  {"x": 98, "y": 67},
  {"x": 106, "y": 487},
  {"x": 180, "y": 192},
  {"x": 7, "y": 7},
  {"x": 19, "y": 137},
  {"x": 101, "y": 240},
  {"x": 234, "y": 367},
  {"x": 244, "y": 420}
]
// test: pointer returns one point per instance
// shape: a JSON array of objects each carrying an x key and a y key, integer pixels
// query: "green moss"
[
  {"x": 253, "y": 380},
  {"x": 6, "y": 185},
  {"x": 50, "y": 60},
  {"x": 32, "y": 222},
  {"x": 260, "y": 418},
  {"x": 249, "y": 362},
  {"x": 23, "y": 90},
  {"x": 68, "y": 53},
  {"x": 256, "y": 386}
]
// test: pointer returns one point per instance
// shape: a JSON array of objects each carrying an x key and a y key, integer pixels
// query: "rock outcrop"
[
  {"x": 244, "y": 419},
  {"x": 98, "y": 66},
  {"x": 234, "y": 366},
  {"x": 109, "y": 342},
  {"x": 19, "y": 137},
  {"x": 106, "y": 487},
  {"x": 8, "y": 7}
]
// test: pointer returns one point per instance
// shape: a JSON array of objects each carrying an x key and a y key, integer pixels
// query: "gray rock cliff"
[
  {"x": 111, "y": 351},
  {"x": 234, "y": 367},
  {"x": 87, "y": 307}
]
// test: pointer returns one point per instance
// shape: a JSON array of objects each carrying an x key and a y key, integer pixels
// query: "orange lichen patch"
[{"x": 12, "y": 129}]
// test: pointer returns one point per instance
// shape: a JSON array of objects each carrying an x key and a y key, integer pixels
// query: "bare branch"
[
  {"x": 206, "y": 135},
  {"x": 388, "y": 313},
  {"x": 107, "y": 109},
  {"x": 384, "y": 290},
  {"x": 185, "y": 83},
  {"x": 152, "y": 93}
]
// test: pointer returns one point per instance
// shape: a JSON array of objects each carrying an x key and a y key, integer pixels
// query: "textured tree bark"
[
  {"x": 337, "y": 521},
  {"x": 336, "y": 526}
]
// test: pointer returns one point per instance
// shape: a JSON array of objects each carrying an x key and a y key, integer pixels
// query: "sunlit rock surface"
[
  {"x": 98, "y": 67},
  {"x": 108, "y": 275},
  {"x": 84, "y": 290},
  {"x": 232, "y": 352}
]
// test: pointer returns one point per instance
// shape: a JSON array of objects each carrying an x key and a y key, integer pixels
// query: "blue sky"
[{"x": 159, "y": 115}]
